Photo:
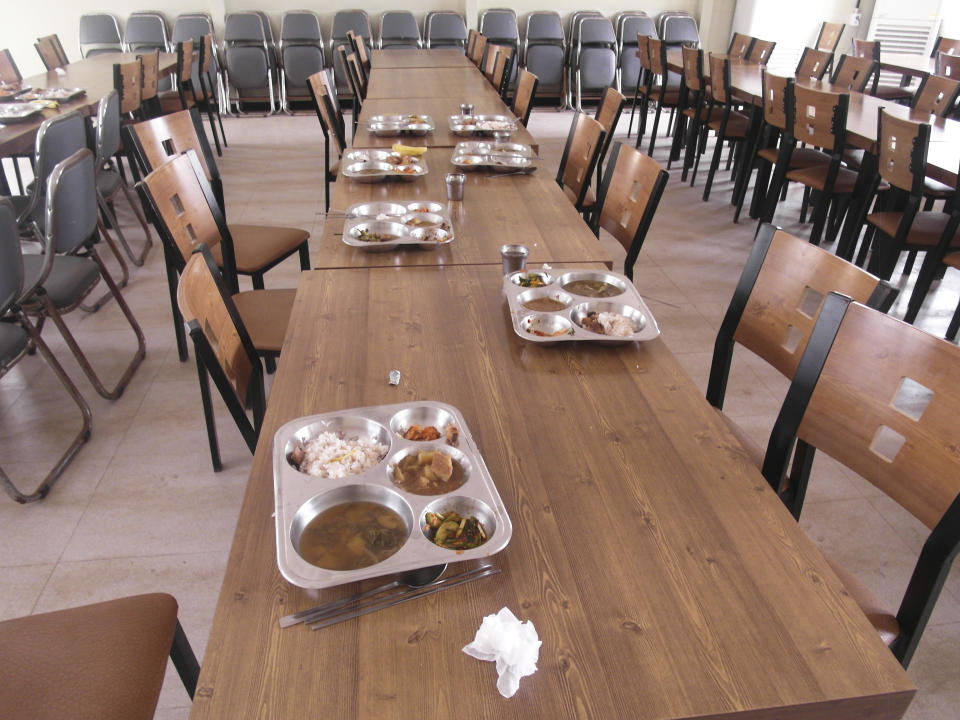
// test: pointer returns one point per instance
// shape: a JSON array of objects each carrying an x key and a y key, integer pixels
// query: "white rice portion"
[
  {"x": 330, "y": 456},
  {"x": 616, "y": 324}
]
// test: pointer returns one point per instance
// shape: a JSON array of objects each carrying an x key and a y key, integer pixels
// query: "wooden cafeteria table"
[
  {"x": 462, "y": 84},
  {"x": 662, "y": 574},
  {"x": 527, "y": 209},
  {"x": 428, "y": 58},
  {"x": 908, "y": 63},
  {"x": 439, "y": 109},
  {"x": 94, "y": 74}
]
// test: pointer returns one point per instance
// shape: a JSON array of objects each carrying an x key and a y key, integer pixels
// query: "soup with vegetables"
[
  {"x": 352, "y": 535},
  {"x": 592, "y": 288}
]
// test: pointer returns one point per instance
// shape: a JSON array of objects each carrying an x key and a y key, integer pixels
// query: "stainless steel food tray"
[
  {"x": 10, "y": 93},
  {"x": 418, "y": 223},
  {"x": 59, "y": 94},
  {"x": 294, "y": 490},
  {"x": 493, "y": 147},
  {"x": 18, "y": 112},
  {"x": 393, "y": 125},
  {"x": 470, "y": 125},
  {"x": 490, "y": 156},
  {"x": 373, "y": 166},
  {"x": 628, "y": 303}
]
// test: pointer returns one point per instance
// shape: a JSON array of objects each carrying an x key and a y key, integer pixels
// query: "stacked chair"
[
  {"x": 629, "y": 25},
  {"x": 146, "y": 31},
  {"x": 544, "y": 50},
  {"x": 679, "y": 28},
  {"x": 399, "y": 29},
  {"x": 499, "y": 26},
  {"x": 249, "y": 60},
  {"x": 301, "y": 54},
  {"x": 194, "y": 26},
  {"x": 99, "y": 33},
  {"x": 593, "y": 60},
  {"x": 344, "y": 21},
  {"x": 445, "y": 29}
]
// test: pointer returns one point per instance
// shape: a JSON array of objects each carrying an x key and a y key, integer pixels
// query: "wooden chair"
[
  {"x": 17, "y": 335},
  {"x": 183, "y": 97},
  {"x": 472, "y": 36},
  {"x": 880, "y": 397},
  {"x": 223, "y": 348},
  {"x": 642, "y": 89},
  {"x": 829, "y": 37},
  {"x": 936, "y": 95},
  {"x": 208, "y": 97},
  {"x": 731, "y": 125},
  {"x": 333, "y": 126},
  {"x": 127, "y": 79},
  {"x": 937, "y": 260},
  {"x": 51, "y": 52},
  {"x": 360, "y": 50},
  {"x": 897, "y": 93},
  {"x": 490, "y": 61},
  {"x": 502, "y": 70},
  {"x": 608, "y": 115},
  {"x": 664, "y": 94},
  {"x": 105, "y": 660},
  {"x": 694, "y": 108},
  {"x": 760, "y": 51},
  {"x": 948, "y": 66},
  {"x": 853, "y": 73},
  {"x": 479, "y": 49},
  {"x": 775, "y": 305},
  {"x": 257, "y": 248},
  {"x": 945, "y": 45},
  {"x": 523, "y": 98},
  {"x": 740, "y": 45},
  {"x": 813, "y": 64},
  {"x": 9, "y": 73},
  {"x": 819, "y": 118},
  {"x": 628, "y": 198},
  {"x": 579, "y": 160},
  {"x": 353, "y": 80},
  {"x": 149, "y": 84}
]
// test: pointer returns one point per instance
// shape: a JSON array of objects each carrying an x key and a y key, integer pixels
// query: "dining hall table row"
[{"x": 663, "y": 576}]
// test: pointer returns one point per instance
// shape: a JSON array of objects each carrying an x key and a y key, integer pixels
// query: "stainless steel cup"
[
  {"x": 514, "y": 257},
  {"x": 466, "y": 108},
  {"x": 455, "y": 186}
]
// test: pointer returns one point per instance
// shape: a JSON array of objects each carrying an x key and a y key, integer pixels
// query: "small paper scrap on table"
[{"x": 514, "y": 645}]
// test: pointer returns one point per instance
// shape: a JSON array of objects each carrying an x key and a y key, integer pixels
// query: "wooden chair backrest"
[
  {"x": 902, "y": 151},
  {"x": 206, "y": 52},
  {"x": 739, "y": 45},
  {"x": 820, "y": 117},
  {"x": 126, "y": 81},
  {"x": 829, "y": 36},
  {"x": 788, "y": 295},
  {"x": 8, "y": 68},
  {"x": 359, "y": 48},
  {"x": 692, "y": 67},
  {"x": 51, "y": 52},
  {"x": 201, "y": 300},
  {"x": 853, "y": 73},
  {"x": 872, "y": 392},
  {"x": 608, "y": 112},
  {"x": 149, "y": 74},
  {"x": 168, "y": 136},
  {"x": 499, "y": 70},
  {"x": 720, "y": 78},
  {"x": 633, "y": 178},
  {"x": 580, "y": 155},
  {"x": 937, "y": 95},
  {"x": 478, "y": 49},
  {"x": 471, "y": 42},
  {"x": 813, "y": 64},
  {"x": 945, "y": 45},
  {"x": 185, "y": 62},
  {"x": 761, "y": 51},
  {"x": 356, "y": 72},
  {"x": 657, "y": 54},
  {"x": 643, "y": 50},
  {"x": 523, "y": 98},
  {"x": 490, "y": 62},
  {"x": 776, "y": 95},
  {"x": 866, "y": 49},
  {"x": 948, "y": 66},
  {"x": 321, "y": 98}
]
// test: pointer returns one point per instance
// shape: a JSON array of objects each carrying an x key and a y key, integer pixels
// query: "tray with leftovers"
[
  {"x": 381, "y": 226},
  {"x": 376, "y": 165},
  {"x": 19, "y": 111},
  {"x": 503, "y": 157},
  {"x": 560, "y": 305},
  {"x": 370, "y": 491},
  {"x": 393, "y": 125},
  {"x": 470, "y": 125},
  {"x": 59, "y": 94}
]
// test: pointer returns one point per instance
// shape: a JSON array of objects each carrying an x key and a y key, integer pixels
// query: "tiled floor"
[{"x": 141, "y": 510}]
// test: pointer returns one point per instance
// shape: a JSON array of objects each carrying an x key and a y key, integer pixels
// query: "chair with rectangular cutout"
[
  {"x": 579, "y": 160},
  {"x": 184, "y": 95},
  {"x": 523, "y": 98},
  {"x": 663, "y": 90},
  {"x": 51, "y": 52},
  {"x": 17, "y": 334},
  {"x": 628, "y": 198},
  {"x": 323, "y": 91},
  {"x": 608, "y": 115},
  {"x": 775, "y": 305},
  {"x": 879, "y": 397}
]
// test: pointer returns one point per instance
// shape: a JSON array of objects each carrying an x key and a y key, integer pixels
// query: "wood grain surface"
[
  {"x": 465, "y": 84},
  {"x": 427, "y": 58},
  {"x": 663, "y": 576},
  {"x": 93, "y": 74},
  {"x": 526, "y": 209}
]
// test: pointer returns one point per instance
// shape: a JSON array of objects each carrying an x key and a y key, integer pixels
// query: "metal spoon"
[{"x": 420, "y": 577}]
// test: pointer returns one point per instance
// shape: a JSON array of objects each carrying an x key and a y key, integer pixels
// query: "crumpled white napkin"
[{"x": 514, "y": 645}]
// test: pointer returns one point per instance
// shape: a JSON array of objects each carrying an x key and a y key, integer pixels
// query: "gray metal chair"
[
  {"x": 628, "y": 26},
  {"x": 544, "y": 49},
  {"x": 248, "y": 60},
  {"x": 17, "y": 334},
  {"x": 594, "y": 63},
  {"x": 99, "y": 33},
  {"x": 344, "y": 20},
  {"x": 445, "y": 30},
  {"x": 146, "y": 31},
  {"x": 679, "y": 28},
  {"x": 573, "y": 34},
  {"x": 193, "y": 26},
  {"x": 70, "y": 266},
  {"x": 301, "y": 54},
  {"x": 110, "y": 182},
  {"x": 399, "y": 29},
  {"x": 499, "y": 27}
]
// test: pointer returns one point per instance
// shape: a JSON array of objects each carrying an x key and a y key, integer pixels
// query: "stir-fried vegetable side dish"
[{"x": 454, "y": 532}]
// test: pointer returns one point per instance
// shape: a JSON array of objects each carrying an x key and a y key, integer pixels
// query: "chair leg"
[
  {"x": 137, "y": 260},
  {"x": 701, "y": 147},
  {"x": 257, "y": 280},
  {"x": 633, "y": 108},
  {"x": 954, "y": 324},
  {"x": 908, "y": 265},
  {"x": 124, "y": 271},
  {"x": 185, "y": 661},
  {"x": 304, "y": 252},
  {"x": 820, "y": 208},
  {"x": 208, "y": 416},
  {"x": 715, "y": 162},
  {"x": 44, "y": 487},
  {"x": 653, "y": 132}
]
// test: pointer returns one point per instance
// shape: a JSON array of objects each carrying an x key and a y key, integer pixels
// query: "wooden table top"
[
  {"x": 527, "y": 209},
  {"x": 908, "y": 63},
  {"x": 462, "y": 84},
  {"x": 94, "y": 74},
  {"x": 413, "y": 58},
  {"x": 438, "y": 108},
  {"x": 663, "y": 576}
]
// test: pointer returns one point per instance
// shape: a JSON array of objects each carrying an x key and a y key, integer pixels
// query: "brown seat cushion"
[
  {"x": 752, "y": 448},
  {"x": 882, "y": 619},
  {"x": 670, "y": 97},
  {"x": 953, "y": 260},
  {"x": 259, "y": 246},
  {"x": 936, "y": 189},
  {"x": 265, "y": 314},
  {"x": 737, "y": 125},
  {"x": 170, "y": 101},
  {"x": 800, "y": 158},
  {"x": 815, "y": 176},
  {"x": 927, "y": 227},
  {"x": 97, "y": 661},
  {"x": 893, "y": 92}
]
